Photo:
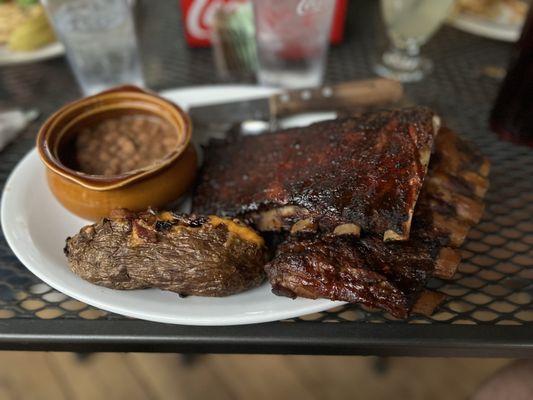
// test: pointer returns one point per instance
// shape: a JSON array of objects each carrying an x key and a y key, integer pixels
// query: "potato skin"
[{"x": 189, "y": 255}]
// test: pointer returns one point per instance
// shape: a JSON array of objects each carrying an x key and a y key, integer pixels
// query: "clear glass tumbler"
[
  {"x": 410, "y": 24},
  {"x": 292, "y": 38},
  {"x": 99, "y": 38}
]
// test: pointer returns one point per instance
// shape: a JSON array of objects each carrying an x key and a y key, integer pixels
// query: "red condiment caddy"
[{"x": 198, "y": 18}]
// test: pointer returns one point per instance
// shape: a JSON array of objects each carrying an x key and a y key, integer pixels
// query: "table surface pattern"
[{"x": 493, "y": 288}]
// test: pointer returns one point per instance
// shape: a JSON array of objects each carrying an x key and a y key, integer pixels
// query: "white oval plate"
[{"x": 36, "y": 225}]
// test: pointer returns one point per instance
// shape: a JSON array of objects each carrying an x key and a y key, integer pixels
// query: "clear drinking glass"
[
  {"x": 409, "y": 24},
  {"x": 99, "y": 38},
  {"x": 292, "y": 38}
]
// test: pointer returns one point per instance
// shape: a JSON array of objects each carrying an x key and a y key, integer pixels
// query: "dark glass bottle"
[{"x": 512, "y": 115}]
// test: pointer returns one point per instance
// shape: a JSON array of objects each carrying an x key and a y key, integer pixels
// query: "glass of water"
[
  {"x": 99, "y": 38},
  {"x": 410, "y": 24},
  {"x": 292, "y": 38}
]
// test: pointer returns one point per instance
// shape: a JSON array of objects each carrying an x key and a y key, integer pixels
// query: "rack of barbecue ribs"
[
  {"x": 354, "y": 174},
  {"x": 392, "y": 275},
  {"x": 340, "y": 244}
]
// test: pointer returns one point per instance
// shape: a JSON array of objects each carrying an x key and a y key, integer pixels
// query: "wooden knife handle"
[{"x": 346, "y": 95}]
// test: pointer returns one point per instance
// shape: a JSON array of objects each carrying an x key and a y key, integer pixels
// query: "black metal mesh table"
[{"x": 488, "y": 310}]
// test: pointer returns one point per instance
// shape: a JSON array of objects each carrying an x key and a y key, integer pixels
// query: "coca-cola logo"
[
  {"x": 200, "y": 17},
  {"x": 309, "y": 6}
]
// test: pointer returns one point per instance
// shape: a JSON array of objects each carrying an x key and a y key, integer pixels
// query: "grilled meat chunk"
[
  {"x": 392, "y": 276},
  {"x": 389, "y": 276},
  {"x": 189, "y": 255},
  {"x": 366, "y": 171}
]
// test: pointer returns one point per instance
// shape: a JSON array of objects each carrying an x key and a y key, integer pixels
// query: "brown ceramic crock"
[{"x": 94, "y": 196}]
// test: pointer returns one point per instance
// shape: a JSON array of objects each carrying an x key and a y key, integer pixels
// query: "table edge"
[{"x": 313, "y": 338}]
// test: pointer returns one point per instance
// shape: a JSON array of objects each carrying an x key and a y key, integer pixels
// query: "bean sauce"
[{"x": 123, "y": 144}]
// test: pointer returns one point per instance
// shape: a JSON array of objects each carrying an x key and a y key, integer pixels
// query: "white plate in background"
[
  {"x": 52, "y": 50},
  {"x": 480, "y": 26}
]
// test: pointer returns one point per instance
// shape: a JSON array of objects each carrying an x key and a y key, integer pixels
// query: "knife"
[{"x": 342, "y": 96}]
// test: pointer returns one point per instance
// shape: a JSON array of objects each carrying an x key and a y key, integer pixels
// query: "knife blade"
[
  {"x": 231, "y": 113},
  {"x": 347, "y": 95}
]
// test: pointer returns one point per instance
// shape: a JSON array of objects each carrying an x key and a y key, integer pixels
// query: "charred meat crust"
[
  {"x": 186, "y": 254},
  {"x": 366, "y": 170}
]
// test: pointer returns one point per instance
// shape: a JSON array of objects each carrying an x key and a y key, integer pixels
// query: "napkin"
[{"x": 12, "y": 122}]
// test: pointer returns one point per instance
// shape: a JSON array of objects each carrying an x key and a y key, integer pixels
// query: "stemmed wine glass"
[{"x": 409, "y": 24}]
